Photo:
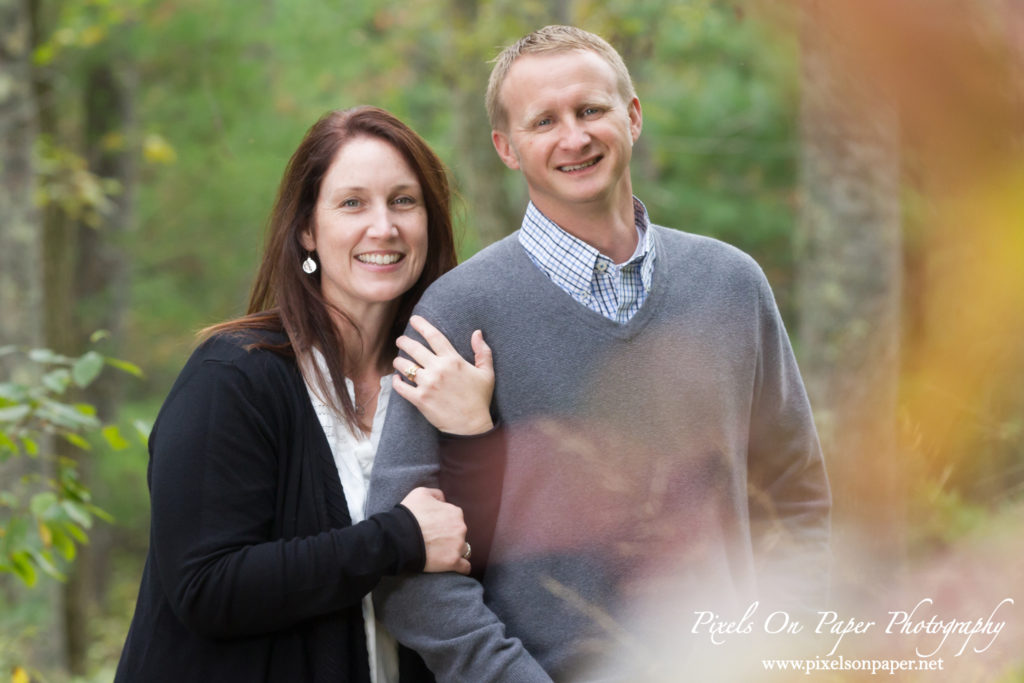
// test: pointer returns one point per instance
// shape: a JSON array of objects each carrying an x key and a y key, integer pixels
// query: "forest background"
[{"x": 868, "y": 153}]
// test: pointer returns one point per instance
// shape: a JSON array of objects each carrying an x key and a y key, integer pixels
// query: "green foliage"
[
  {"x": 82, "y": 25},
  {"x": 64, "y": 180},
  {"x": 223, "y": 92},
  {"x": 46, "y": 512}
]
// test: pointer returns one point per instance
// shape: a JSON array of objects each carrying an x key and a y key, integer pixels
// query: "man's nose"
[{"x": 575, "y": 135}]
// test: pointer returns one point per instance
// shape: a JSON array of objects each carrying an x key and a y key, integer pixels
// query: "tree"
[
  {"x": 20, "y": 245},
  {"x": 20, "y": 239},
  {"x": 849, "y": 275},
  {"x": 77, "y": 286}
]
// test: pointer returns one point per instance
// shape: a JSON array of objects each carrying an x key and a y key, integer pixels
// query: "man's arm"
[
  {"x": 441, "y": 616},
  {"x": 788, "y": 488}
]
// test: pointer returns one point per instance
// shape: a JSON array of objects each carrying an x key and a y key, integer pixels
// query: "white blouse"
[{"x": 353, "y": 456}]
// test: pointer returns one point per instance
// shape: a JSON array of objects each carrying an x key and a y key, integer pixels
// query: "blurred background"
[{"x": 868, "y": 153}]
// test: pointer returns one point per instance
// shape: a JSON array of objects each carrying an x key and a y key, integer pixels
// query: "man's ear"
[
  {"x": 636, "y": 118},
  {"x": 503, "y": 147}
]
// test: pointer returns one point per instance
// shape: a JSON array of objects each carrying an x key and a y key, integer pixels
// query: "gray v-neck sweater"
[{"x": 664, "y": 465}]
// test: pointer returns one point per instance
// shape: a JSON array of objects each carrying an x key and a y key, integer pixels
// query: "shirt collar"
[{"x": 569, "y": 261}]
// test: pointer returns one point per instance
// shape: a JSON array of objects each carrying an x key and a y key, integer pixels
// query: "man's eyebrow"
[{"x": 534, "y": 114}]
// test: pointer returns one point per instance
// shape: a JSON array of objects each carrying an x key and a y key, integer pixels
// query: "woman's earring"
[{"x": 309, "y": 265}]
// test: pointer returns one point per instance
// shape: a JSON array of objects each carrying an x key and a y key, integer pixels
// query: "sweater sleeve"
[
  {"x": 441, "y": 616},
  {"x": 789, "y": 497},
  {"x": 215, "y": 479}
]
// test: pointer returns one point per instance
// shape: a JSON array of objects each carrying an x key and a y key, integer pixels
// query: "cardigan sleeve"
[
  {"x": 215, "y": 477},
  {"x": 472, "y": 473}
]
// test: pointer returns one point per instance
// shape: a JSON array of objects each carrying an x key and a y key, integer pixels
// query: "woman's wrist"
[
  {"x": 486, "y": 427},
  {"x": 476, "y": 427}
]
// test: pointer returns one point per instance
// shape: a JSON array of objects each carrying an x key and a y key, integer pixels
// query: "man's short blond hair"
[{"x": 550, "y": 40}]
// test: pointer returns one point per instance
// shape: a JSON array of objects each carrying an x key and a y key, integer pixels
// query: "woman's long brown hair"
[{"x": 285, "y": 299}]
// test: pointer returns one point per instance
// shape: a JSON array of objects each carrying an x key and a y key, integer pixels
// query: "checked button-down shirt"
[{"x": 616, "y": 291}]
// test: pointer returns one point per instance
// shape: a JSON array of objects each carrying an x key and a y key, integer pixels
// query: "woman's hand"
[
  {"x": 454, "y": 395},
  {"x": 443, "y": 528}
]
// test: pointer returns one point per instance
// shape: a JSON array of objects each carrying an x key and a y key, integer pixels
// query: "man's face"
[{"x": 569, "y": 131}]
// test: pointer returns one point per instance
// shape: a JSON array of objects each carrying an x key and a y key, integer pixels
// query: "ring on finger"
[
  {"x": 410, "y": 372},
  {"x": 468, "y": 552}
]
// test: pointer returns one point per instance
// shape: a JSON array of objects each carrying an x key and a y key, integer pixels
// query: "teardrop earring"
[{"x": 309, "y": 265}]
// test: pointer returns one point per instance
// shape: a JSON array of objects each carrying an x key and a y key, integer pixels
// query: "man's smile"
[{"x": 580, "y": 166}]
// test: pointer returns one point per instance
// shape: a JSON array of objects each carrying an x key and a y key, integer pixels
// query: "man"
[{"x": 660, "y": 453}]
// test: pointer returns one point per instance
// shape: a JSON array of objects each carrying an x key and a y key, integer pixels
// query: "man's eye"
[
  {"x": 591, "y": 111},
  {"x": 544, "y": 122}
]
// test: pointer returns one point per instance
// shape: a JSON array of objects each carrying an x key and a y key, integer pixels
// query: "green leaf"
[
  {"x": 14, "y": 413},
  {"x": 99, "y": 335},
  {"x": 6, "y": 444},
  {"x": 87, "y": 368},
  {"x": 78, "y": 513},
  {"x": 76, "y": 440},
  {"x": 113, "y": 436},
  {"x": 44, "y": 54},
  {"x": 57, "y": 380},
  {"x": 68, "y": 476},
  {"x": 23, "y": 568},
  {"x": 63, "y": 415},
  {"x": 14, "y": 392},
  {"x": 8, "y": 499},
  {"x": 76, "y": 532},
  {"x": 86, "y": 409},
  {"x": 101, "y": 513},
  {"x": 125, "y": 366},
  {"x": 62, "y": 543},
  {"x": 30, "y": 446},
  {"x": 47, "y": 356},
  {"x": 43, "y": 503},
  {"x": 45, "y": 561}
]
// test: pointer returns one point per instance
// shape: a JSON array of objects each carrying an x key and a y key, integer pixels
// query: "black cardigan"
[{"x": 255, "y": 571}]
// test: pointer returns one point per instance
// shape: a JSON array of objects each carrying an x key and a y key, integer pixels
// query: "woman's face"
[{"x": 369, "y": 227}]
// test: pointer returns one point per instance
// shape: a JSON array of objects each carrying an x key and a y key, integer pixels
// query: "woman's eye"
[
  {"x": 350, "y": 203},
  {"x": 404, "y": 201}
]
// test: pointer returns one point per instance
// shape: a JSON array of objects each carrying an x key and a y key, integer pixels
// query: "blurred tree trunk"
[
  {"x": 494, "y": 211},
  {"x": 560, "y": 11},
  {"x": 494, "y": 207},
  {"x": 20, "y": 246},
  {"x": 58, "y": 231},
  {"x": 849, "y": 282},
  {"x": 85, "y": 283},
  {"x": 57, "y": 267},
  {"x": 100, "y": 295},
  {"x": 21, "y": 249}
]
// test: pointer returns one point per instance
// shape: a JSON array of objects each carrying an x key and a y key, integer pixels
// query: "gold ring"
[
  {"x": 410, "y": 372},
  {"x": 469, "y": 552}
]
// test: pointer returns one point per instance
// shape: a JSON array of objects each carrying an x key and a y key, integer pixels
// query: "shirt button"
[{"x": 602, "y": 266}]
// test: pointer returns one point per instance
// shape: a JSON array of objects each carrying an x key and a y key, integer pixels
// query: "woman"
[{"x": 260, "y": 561}]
